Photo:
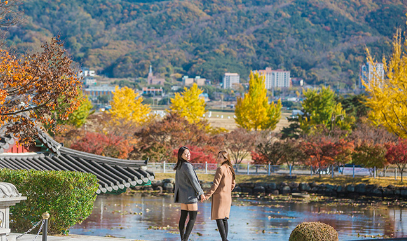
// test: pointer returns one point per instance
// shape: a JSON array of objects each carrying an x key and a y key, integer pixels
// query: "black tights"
[
  {"x": 190, "y": 225},
  {"x": 223, "y": 228}
]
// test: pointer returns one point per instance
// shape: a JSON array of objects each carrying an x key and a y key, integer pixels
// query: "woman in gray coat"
[{"x": 187, "y": 192}]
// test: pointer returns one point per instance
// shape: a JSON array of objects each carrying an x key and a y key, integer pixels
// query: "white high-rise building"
[
  {"x": 229, "y": 79},
  {"x": 367, "y": 73},
  {"x": 276, "y": 78}
]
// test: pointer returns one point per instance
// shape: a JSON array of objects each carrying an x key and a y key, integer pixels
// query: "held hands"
[{"x": 203, "y": 198}]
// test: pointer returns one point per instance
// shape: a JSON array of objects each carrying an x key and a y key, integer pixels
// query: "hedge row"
[{"x": 67, "y": 196}]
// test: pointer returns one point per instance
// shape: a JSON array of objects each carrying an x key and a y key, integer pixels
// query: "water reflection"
[{"x": 146, "y": 217}]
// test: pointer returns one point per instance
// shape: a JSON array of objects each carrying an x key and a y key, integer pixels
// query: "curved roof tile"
[{"x": 113, "y": 174}]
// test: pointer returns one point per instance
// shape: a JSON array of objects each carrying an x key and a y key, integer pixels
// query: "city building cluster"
[{"x": 275, "y": 80}]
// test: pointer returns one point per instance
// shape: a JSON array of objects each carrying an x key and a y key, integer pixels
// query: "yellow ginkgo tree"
[
  {"x": 189, "y": 104},
  {"x": 387, "y": 96},
  {"x": 253, "y": 112},
  {"x": 127, "y": 107}
]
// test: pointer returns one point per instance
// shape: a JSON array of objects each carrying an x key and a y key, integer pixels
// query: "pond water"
[{"x": 150, "y": 217}]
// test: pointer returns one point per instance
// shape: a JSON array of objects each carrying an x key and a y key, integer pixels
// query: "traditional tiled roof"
[
  {"x": 114, "y": 175},
  {"x": 48, "y": 141},
  {"x": 8, "y": 140}
]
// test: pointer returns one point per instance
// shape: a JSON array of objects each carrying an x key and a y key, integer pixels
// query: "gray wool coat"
[{"x": 187, "y": 188}]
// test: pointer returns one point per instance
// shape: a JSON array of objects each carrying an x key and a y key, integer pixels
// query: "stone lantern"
[{"x": 9, "y": 196}]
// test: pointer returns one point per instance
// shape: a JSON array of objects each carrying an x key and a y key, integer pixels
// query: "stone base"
[
  {"x": 12, "y": 238},
  {"x": 3, "y": 233}
]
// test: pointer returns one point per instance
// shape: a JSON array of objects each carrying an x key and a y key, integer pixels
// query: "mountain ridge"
[{"x": 321, "y": 41}]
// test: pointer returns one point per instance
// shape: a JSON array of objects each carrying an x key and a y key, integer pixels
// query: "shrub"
[
  {"x": 67, "y": 196},
  {"x": 313, "y": 231}
]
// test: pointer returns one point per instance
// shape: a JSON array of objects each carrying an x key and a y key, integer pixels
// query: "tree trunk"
[{"x": 319, "y": 171}]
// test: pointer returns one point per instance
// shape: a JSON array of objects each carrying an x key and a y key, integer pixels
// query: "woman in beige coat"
[{"x": 221, "y": 190}]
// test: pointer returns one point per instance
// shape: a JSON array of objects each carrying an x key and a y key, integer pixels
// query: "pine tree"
[
  {"x": 127, "y": 106},
  {"x": 253, "y": 111},
  {"x": 189, "y": 104}
]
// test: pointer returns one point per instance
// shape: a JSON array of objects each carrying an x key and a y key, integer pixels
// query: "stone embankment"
[{"x": 350, "y": 191}]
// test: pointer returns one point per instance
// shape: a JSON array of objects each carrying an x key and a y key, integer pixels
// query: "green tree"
[
  {"x": 293, "y": 131},
  {"x": 320, "y": 108},
  {"x": 104, "y": 99},
  {"x": 188, "y": 104},
  {"x": 370, "y": 155},
  {"x": 79, "y": 116},
  {"x": 253, "y": 111},
  {"x": 354, "y": 105}
]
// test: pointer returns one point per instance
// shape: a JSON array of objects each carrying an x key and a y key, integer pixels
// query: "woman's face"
[
  {"x": 186, "y": 155},
  {"x": 221, "y": 158}
]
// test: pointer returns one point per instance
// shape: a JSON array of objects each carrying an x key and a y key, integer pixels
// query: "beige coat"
[{"x": 221, "y": 192}]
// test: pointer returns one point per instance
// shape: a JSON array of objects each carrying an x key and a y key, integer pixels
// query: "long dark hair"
[
  {"x": 225, "y": 155},
  {"x": 180, "y": 159}
]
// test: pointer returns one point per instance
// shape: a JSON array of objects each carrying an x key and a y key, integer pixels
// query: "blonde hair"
[{"x": 225, "y": 155}]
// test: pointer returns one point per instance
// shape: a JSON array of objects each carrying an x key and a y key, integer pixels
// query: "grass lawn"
[
  {"x": 228, "y": 121},
  {"x": 338, "y": 180},
  {"x": 230, "y": 124}
]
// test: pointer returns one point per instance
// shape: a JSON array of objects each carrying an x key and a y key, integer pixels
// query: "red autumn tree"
[
  {"x": 158, "y": 139},
  {"x": 34, "y": 87},
  {"x": 198, "y": 155},
  {"x": 258, "y": 158},
  {"x": 320, "y": 153},
  {"x": 268, "y": 149},
  {"x": 397, "y": 154},
  {"x": 105, "y": 145}
]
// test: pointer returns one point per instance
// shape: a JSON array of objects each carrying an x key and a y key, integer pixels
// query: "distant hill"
[{"x": 318, "y": 40}]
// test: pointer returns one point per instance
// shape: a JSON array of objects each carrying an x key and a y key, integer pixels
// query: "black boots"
[
  {"x": 223, "y": 228},
  {"x": 190, "y": 225}
]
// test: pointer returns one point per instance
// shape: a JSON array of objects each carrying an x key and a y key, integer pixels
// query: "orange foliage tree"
[
  {"x": 34, "y": 87},
  {"x": 321, "y": 153},
  {"x": 345, "y": 149}
]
